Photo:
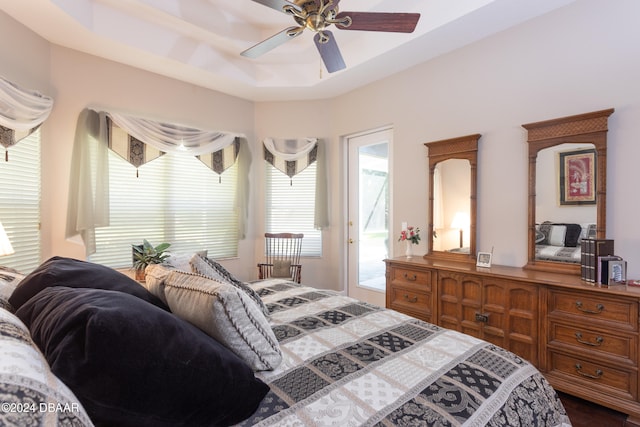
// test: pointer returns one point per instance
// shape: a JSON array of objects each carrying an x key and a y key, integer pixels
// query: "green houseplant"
[{"x": 146, "y": 254}]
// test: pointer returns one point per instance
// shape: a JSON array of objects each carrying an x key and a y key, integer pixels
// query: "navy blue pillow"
[
  {"x": 133, "y": 364},
  {"x": 74, "y": 273}
]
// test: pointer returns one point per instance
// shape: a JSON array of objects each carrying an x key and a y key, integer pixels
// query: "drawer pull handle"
[
  {"x": 598, "y": 342},
  {"x": 484, "y": 318},
  {"x": 410, "y": 278},
  {"x": 597, "y": 376},
  {"x": 598, "y": 310},
  {"x": 411, "y": 300}
]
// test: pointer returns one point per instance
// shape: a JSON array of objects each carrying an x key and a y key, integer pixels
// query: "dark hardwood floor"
[{"x": 587, "y": 414}]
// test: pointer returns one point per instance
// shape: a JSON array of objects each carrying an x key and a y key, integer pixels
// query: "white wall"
[
  {"x": 25, "y": 56},
  {"x": 584, "y": 57},
  {"x": 581, "y": 58}
]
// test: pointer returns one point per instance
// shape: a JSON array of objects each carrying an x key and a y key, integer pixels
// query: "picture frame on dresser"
[
  {"x": 484, "y": 259},
  {"x": 617, "y": 271}
]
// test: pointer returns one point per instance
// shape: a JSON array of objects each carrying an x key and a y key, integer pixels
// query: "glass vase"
[{"x": 409, "y": 251}]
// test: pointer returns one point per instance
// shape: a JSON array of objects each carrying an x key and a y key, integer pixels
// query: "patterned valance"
[
  {"x": 21, "y": 112},
  {"x": 10, "y": 137},
  {"x": 290, "y": 155},
  {"x": 219, "y": 161},
  {"x": 139, "y": 141},
  {"x": 129, "y": 147}
]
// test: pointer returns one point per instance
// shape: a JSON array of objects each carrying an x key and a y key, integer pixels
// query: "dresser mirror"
[
  {"x": 567, "y": 188},
  {"x": 451, "y": 232}
]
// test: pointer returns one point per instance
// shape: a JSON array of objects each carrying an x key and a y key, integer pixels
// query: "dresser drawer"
[
  {"x": 411, "y": 302},
  {"x": 590, "y": 307},
  {"x": 412, "y": 279},
  {"x": 585, "y": 340},
  {"x": 596, "y": 376}
]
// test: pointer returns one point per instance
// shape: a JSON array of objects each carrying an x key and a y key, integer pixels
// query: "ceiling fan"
[{"x": 317, "y": 15}]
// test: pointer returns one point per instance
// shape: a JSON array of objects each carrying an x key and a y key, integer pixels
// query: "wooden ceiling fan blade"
[
  {"x": 380, "y": 21},
  {"x": 329, "y": 51},
  {"x": 272, "y": 42},
  {"x": 278, "y": 5}
]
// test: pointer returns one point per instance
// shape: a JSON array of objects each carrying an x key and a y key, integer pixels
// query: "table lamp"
[{"x": 5, "y": 244}]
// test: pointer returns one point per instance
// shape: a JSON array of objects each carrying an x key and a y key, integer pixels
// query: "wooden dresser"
[{"x": 584, "y": 338}]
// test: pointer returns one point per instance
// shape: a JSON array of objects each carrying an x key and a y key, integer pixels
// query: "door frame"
[{"x": 345, "y": 200}]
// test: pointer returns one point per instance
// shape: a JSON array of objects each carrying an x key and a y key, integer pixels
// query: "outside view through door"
[{"x": 368, "y": 215}]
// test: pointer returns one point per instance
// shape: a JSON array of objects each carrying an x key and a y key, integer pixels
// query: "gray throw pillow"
[
  {"x": 212, "y": 269},
  {"x": 221, "y": 310}
]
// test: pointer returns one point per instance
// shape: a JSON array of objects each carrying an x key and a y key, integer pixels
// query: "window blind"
[
  {"x": 290, "y": 206},
  {"x": 20, "y": 203},
  {"x": 175, "y": 199}
]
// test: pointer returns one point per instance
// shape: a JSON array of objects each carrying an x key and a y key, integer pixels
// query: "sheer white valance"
[
  {"x": 138, "y": 141},
  {"x": 291, "y": 156},
  {"x": 173, "y": 138},
  {"x": 22, "y": 111}
]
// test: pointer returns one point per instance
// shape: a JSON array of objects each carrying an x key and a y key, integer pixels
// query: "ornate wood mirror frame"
[
  {"x": 588, "y": 128},
  {"x": 465, "y": 148}
]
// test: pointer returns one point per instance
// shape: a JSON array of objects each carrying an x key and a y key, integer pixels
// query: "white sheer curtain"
[
  {"x": 293, "y": 155},
  {"x": 88, "y": 204},
  {"x": 22, "y": 111}
]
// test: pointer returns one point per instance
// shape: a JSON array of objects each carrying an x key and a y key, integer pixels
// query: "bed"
[
  {"x": 295, "y": 355},
  {"x": 561, "y": 241}
]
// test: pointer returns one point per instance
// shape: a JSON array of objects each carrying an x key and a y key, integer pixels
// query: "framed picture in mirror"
[{"x": 577, "y": 177}]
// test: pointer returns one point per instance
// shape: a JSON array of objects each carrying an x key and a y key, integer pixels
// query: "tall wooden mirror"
[
  {"x": 567, "y": 188},
  {"x": 451, "y": 233}
]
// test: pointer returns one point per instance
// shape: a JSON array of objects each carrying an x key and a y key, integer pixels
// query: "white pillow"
[
  {"x": 557, "y": 235},
  {"x": 221, "y": 310}
]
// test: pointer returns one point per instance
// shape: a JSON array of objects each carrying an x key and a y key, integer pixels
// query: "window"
[
  {"x": 290, "y": 206},
  {"x": 20, "y": 203},
  {"x": 175, "y": 199}
]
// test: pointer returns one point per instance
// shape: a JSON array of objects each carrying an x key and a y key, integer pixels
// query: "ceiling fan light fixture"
[
  {"x": 294, "y": 31},
  {"x": 323, "y": 37},
  {"x": 317, "y": 15},
  {"x": 290, "y": 10}
]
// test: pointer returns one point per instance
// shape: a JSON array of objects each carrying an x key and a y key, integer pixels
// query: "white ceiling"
[{"x": 199, "y": 41}]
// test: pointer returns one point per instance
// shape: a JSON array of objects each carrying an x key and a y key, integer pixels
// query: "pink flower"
[{"x": 411, "y": 233}]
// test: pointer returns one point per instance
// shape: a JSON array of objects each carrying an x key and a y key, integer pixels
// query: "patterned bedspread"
[
  {"x": 348, "y": 363},
  {"x": 558, "y": 253}
]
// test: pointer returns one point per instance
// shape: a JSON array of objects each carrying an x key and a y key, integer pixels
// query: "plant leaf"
[{"x": 162, "y": 247}]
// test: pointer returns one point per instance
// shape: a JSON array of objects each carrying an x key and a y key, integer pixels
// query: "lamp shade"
[
  {"x": 5, "y": 244},
  {"x": 461, "y": 220}
]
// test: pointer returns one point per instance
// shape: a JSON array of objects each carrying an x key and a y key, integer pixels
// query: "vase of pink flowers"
[{"x": 412, "y": 236}]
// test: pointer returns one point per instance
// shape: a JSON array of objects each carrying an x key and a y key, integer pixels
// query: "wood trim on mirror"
[
  {"x": 583, "y": 128},
  {"x": 466, "y": 148}
]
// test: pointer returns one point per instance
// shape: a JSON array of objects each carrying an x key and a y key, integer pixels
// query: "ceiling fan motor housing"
[{"x": 314, "y": 16}]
